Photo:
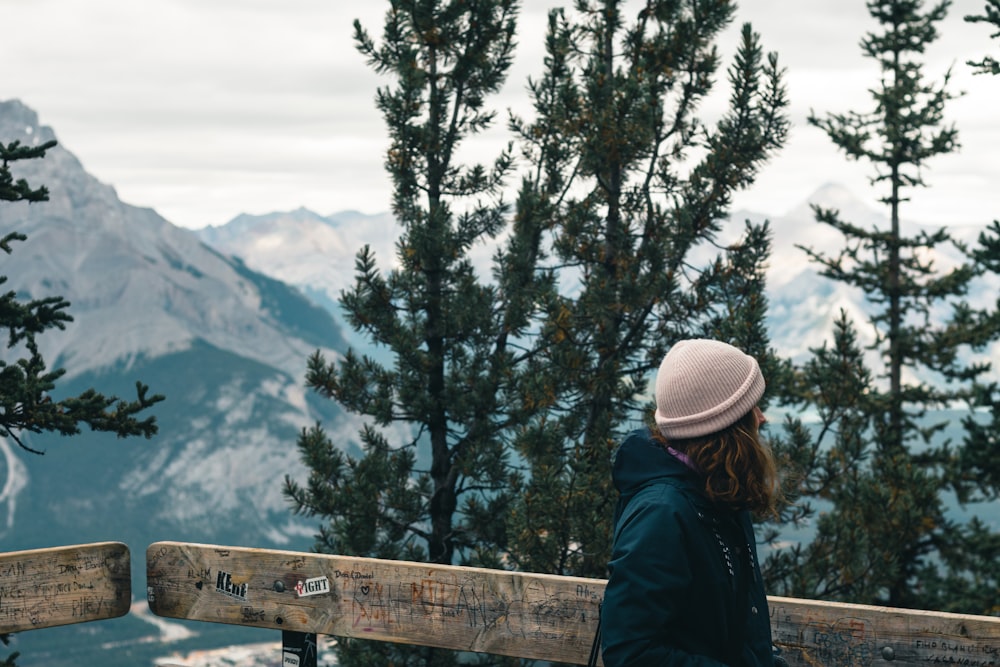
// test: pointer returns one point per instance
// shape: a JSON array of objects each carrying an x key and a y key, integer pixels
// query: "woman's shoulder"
[
  {"x": 641, "y": 459},
  {"x": 667, "y": 495}
]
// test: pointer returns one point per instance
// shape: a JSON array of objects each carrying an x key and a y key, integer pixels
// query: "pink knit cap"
[{"x": 703, "y": 386}]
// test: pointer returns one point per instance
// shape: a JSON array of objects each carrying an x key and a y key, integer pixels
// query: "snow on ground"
[{"x": 248, "y": 655}]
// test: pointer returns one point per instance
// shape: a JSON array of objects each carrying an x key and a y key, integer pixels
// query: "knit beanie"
[{"x": 703, "y": 386}]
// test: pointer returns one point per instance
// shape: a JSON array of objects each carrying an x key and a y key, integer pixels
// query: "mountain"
[
  {"x": 304, "y": 248},
  {"x": 225, "y": 344},
  {"x": 316, "y": 254},
  {"x": 803, "y": 303}
]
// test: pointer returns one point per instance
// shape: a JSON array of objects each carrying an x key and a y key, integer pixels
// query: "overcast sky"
[{"x": 205, "y": 109}]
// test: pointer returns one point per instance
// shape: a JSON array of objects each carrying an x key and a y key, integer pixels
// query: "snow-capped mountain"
[
  {"x": 316, "y": 253},
  {"x": 226, "y": 345},
  {"x": 306, "y": 249},
  {"x": 804, "y": 304}
]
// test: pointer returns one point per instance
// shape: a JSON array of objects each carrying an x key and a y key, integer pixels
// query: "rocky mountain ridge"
[
  {"x": 316, "y": 252},
  {"x": 226, "y": 345},
  {"x": 151, "y": 302}
]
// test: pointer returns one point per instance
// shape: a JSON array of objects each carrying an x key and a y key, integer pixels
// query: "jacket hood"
[{"x": 640, "y": 460}]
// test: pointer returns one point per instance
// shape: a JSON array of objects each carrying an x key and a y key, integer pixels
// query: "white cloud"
[{"x": 204, "y": 109}]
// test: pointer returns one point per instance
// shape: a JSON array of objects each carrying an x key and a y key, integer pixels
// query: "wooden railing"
[
  {"x": 535, "y": 616},
  {"x": 44, "y": 588},
  {"x": 538, "y": 616}
]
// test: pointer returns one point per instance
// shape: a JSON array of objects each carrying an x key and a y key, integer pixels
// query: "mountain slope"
[
  {"x": 316, "y": 254},
  {"x": 150, "y": 302}
]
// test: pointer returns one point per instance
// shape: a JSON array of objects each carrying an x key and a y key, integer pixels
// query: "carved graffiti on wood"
[{"x": 62, "y": 585}]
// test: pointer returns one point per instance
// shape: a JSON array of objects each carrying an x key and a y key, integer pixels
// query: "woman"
[{"x": 685, "y": 586}]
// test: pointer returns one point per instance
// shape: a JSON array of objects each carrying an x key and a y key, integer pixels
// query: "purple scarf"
[{"x": 683, "y": 458}]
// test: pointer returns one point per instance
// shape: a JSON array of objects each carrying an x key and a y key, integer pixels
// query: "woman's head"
[
  {"x": 703, "y": 386},
  {"x": 706, "y": 406}
]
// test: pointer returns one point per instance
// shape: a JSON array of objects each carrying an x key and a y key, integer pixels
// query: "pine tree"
[
  {"x": 991, "y": 14},
  {"x": 26, "y": 385},
  {"x": 433, "y": 473},
  {"x": 970, "y": 581},
  {"x": 879, "y": 460},
  {"x": 632, "y": 187}
]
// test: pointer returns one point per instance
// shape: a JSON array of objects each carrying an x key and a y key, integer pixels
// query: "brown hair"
[{"x": 738, "y": 468}]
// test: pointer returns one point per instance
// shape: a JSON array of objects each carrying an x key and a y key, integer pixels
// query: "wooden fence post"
[{"x": 298, "y": 649}]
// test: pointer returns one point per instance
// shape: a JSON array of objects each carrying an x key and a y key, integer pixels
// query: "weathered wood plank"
[
  {"x": 489, "y": 611},
  {"x": 537, "y": 616},
  {"x": 43, "y": 588},
  {"x": 833, "y": 634}
]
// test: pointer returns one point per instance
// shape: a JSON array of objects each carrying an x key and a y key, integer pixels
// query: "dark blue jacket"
[{"x": 684, "y": 585}]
